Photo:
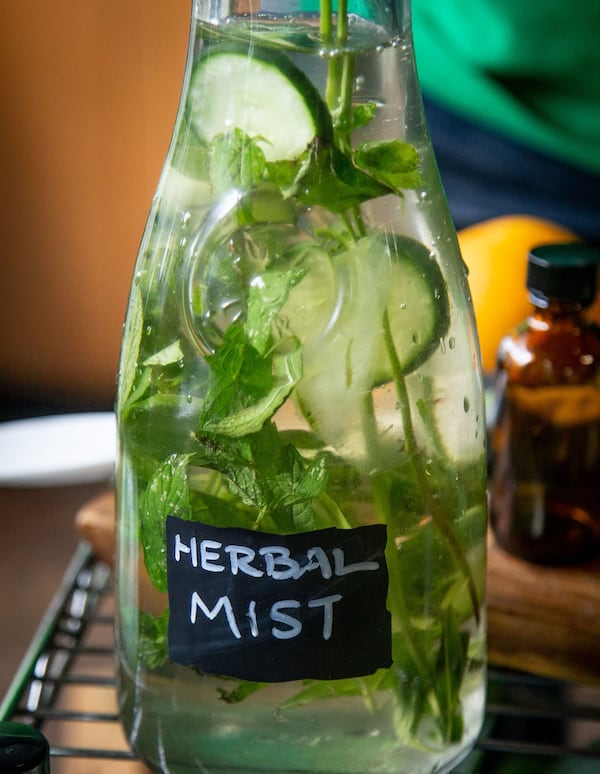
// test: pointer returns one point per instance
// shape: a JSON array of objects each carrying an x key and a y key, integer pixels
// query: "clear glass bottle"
[
  {"x": 546, "y": 438},
  {"x": 301, "y": 488}
]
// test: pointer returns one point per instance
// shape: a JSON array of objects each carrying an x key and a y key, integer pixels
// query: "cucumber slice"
[
  {"x": 251, "y": 89},
  {"x": 345, "y": 299},
  {"x": 417, "y": 306},
  {"x": 337, "y": 311}
]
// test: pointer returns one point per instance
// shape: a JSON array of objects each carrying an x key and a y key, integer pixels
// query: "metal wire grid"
[{"x": 66, "y": 687}]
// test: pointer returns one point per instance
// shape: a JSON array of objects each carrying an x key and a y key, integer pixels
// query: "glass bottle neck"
[{"x": 331, "y": 17}]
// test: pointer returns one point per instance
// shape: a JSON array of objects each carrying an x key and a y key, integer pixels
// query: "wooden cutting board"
[{"x": 543, "y": 620}]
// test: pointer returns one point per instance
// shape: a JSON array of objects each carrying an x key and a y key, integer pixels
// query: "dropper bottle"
[
  {"x": 545, "y": 492},
  {"x": 23, "y": 749}
]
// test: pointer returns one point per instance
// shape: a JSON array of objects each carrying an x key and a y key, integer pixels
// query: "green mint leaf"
[
  {"x": 245, "y": 386},
  {"x": 221, "y": 507},
  {"x": 170, "y": 354},
  {"x": 268, "y": 293},
  {"x": 250, "y": 419},
  {"x": 268, "y": 475},
  {"x": 330, "y": 179},
  {"x": 289, "y": 482},
  {"x": 239, "y": 374},
  {"x": 232, "y": 457},
  {"x": 306, "y": 488},
  {"x": 240, "y": 692},
  {"x": 235, "y": 159},
  {"x": 289, "y": 479},
  {"x": 322, "y": 689},
  {"x": 359, "y": 117},
  {"x": 132, "y": 338},
  {"x": 334, "y": 241},
  {"x": 391, "y": 162},
  {"x": 361, "y": 181},
  {"x": 239, "y": 377},
  {"x": 266, "y": 204},
  {"x": 167, "y": 494},
  {"x": 325, "y": 512},
  {"x": 152, "y": 645},
  {"x": 283, "y": 173}
]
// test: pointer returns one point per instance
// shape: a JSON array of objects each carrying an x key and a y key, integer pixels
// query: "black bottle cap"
[
  {"x": 565, "y": 272},
  {"x": 23, "y": 749}
]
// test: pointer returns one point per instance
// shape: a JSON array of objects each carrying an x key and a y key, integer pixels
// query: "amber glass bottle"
[{"x": 546, "y": 439}]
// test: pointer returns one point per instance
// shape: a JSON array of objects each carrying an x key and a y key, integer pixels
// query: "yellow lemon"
[{"x": 495, "y": 252}]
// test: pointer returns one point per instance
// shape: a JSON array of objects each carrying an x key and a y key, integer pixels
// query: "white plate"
[{"x": 58, "y": 450}]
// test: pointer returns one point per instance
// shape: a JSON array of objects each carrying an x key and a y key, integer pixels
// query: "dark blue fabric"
[{"x": 486, "y": 175}]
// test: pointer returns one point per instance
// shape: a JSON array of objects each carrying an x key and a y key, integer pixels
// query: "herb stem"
[
  {"x": 354, "y": 232},
  {"x": 360, "y": 224},
  {"x": 415, "y": 456},
  {"x": 345, "y": 97},
  {"x": 332, "y": 90},
  {"x": 340, "y": 69},
  {"x": 139, "y": 391},
  {"x": 326, "y": 21},
  {"x": 342, "y": 22},
  {"x": 381, "y": 497}
]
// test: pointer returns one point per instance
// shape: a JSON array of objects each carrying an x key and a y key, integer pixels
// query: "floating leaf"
[
  {"x": 391, "y": 162},
  {"x": 152, "y": 645},
  {"x": 330, "y": 179},
  {"x": 170, "y": 354},
  {"x": 167, "y": 493},
  {"x": 235, "y": 159}
]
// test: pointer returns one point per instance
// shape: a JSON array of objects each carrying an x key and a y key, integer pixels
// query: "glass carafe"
[{"x": 301, "y": 487}]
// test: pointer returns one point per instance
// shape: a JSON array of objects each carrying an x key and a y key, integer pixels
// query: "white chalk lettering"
[
  {"x": 327, "y": 604},
  {"x": 223, "y": 603},
  {"x": 181, "y": 548},
  {"x": 317, "y": 560},
  {"x": 251, "y": 614},
  {"x": 277, "y": 563},
  {"x": 289, "y": 625},
  {"x": 295, "y": 626},
  {"x": 341, "y": 569},
  {"x": 207, "y": 556},
  {"x": 240, "y": 558},
  {"x": 279, "y": 556}
]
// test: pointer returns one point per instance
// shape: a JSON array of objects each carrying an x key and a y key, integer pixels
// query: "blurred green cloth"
[{"x": 530, "y": 70}]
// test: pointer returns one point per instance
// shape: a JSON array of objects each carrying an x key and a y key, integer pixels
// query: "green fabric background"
[{"x": 527, "y": 68}]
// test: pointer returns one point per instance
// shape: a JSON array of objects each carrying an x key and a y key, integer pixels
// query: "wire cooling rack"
[{"x": 66, "y": 688}]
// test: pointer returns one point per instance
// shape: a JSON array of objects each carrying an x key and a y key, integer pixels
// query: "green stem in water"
[
  {"x": 341, "y": 33},
  {"x": 340, "y": 79},
  {"x": 414, "y": 455},
  {"x": 340, "y": 68},
  {"x": 381, "y": 497},
  {"x": 332, "y": 89},
  {"x": 326, "y": 21}
]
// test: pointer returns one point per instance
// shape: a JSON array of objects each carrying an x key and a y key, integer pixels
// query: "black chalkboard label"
[{"x": 272, "y": 608}]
